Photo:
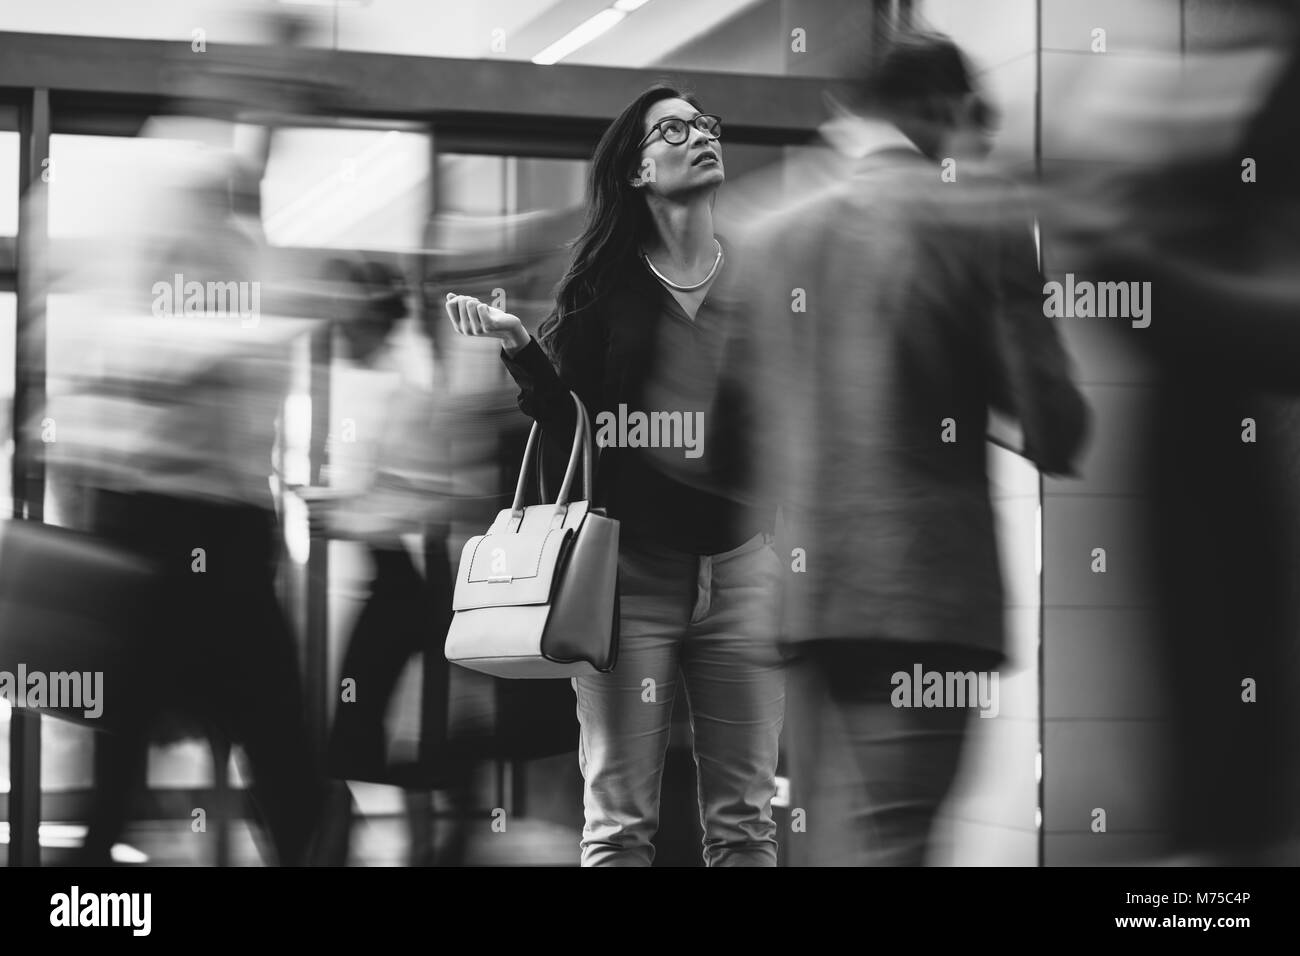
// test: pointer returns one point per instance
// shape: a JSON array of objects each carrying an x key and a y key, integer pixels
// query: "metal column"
[{"x": 28, "y": 464}]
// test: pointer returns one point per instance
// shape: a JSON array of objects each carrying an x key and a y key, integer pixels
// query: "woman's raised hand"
[{"x": 472, "y": 317}]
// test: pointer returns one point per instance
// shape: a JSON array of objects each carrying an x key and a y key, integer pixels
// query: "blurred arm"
[{"x": 1032, "y": 373}]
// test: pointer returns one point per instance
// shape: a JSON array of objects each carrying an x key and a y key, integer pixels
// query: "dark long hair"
[{"x": 618, "y": 221}]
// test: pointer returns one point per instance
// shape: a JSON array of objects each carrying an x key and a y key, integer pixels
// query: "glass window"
[
  {"x": 222, "y": 21},
  {"x": 770, "y": 37},
  {"x": 8, "y": 311},
  {"x": 9, "y": 153},
  {"x": 346, "y": 189},
  {"x": 774, "y": 37},
  {"x": 107, "y": 197},
  {"x": 104, "y": 186},
  {"x": 500, "y": 232}
]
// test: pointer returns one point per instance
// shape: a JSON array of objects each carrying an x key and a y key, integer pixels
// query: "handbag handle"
[
  {"x": 579, "y": 457},
  {"x": 593, "y": 455}
]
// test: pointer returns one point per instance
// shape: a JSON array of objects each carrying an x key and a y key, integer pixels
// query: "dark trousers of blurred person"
[
  {"x": 397, "y": 622},
  {"x": 406, "y": 614},
  {"x": 218, "y": 652},
  {"x": 878, "y": 804}
]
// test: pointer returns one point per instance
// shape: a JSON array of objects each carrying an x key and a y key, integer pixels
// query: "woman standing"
[{"x": 635, "y": 330}]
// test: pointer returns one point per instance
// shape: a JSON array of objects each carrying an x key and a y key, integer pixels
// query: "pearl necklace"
[{"x": 686, "y": 288}]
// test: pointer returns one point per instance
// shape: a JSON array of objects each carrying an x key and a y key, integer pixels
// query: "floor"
[{"x": 376, "y": 841}]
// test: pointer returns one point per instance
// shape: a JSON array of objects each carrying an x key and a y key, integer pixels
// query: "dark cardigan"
[{"x": 604, "y": 354}]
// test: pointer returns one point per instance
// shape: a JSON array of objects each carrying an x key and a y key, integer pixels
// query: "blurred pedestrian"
[{"x": 886, "y": 316}]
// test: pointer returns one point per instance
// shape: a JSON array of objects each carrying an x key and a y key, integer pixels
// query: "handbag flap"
[{"x": 509, "y": 567}]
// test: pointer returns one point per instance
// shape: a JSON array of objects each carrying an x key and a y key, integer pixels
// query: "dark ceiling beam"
[{"x": 143, "y": 72}]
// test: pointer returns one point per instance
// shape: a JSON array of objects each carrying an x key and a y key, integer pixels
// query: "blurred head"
[
  {"x": 977, "y": 122},
  {"x": 377, "y": 299},
  {"x": 652, "y": 151},
  {"x": 922, "y": 84}
]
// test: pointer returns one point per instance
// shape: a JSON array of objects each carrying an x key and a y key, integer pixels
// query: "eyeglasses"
[{"x": 676, "y": 130}]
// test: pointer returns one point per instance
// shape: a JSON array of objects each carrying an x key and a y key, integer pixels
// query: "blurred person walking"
[
  {"x": 921, "y": 312},
  {"x": 377, "y": 493},
  {"x": 170, "y": 428},
  {"x": 637, "y": 330},
  {"x": 170, "y": 425},
  {"x": 384, "y": 487}
]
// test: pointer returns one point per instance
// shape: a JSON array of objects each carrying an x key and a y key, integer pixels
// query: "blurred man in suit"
[{"x": 885, "y": 312}]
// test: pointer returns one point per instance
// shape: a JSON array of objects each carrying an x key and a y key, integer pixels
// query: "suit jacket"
[{"x": 886, "y": 315}]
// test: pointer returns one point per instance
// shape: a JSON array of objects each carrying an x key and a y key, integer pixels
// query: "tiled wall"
[
  {"x": 1104, "y": 730},
  {"x": 1103, "y": 719}
]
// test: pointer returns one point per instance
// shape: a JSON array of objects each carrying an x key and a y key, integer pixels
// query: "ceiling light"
[{"x": 580, "y": 36}]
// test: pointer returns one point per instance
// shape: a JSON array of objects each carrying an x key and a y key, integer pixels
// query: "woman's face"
[{"x": 677, "y": 170}]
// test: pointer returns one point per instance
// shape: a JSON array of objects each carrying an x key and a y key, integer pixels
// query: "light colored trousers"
[{"x": 706, "y": 624}]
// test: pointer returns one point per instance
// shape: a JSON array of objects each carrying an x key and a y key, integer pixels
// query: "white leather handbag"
[{"x": 537, "y": 595}]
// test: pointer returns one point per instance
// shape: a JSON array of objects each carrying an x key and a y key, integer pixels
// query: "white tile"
[
  {"x": 964, "y": 843},
  {"x": 1010, "y": 475},
  {"x": 1011, "y": 87},
  {"x": 997, "y": 782},
  {"x": 1131, "y": 26},
  {"x": 990, "y": 32},
  {"x": 1018, "y": 677},
  {"x": 1015, "y": 523}
]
